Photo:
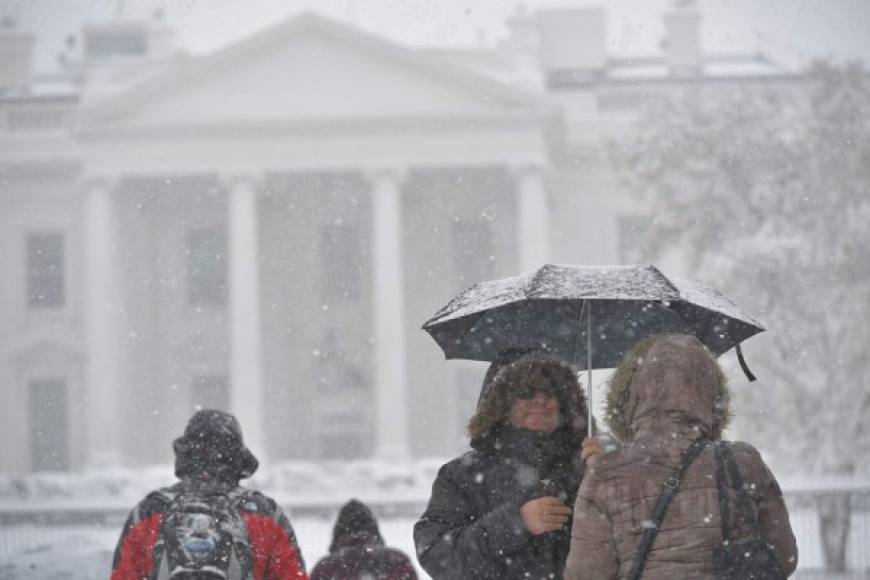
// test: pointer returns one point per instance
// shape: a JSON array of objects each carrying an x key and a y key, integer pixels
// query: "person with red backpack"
[{"x": 207, "y": 526}]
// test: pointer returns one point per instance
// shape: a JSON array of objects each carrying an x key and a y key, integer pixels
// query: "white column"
[
  {"x": 103, "y": 312},
  {"x": 392, "y": 442},
  {"x": 533, "y": 218},
  {"x": 246, "y": 391}
]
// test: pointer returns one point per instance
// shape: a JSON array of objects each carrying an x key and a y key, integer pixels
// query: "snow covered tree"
[{"x": 764, "y": 190}]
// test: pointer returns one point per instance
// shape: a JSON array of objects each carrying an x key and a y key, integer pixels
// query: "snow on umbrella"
[{"x": 589, "y": 316}]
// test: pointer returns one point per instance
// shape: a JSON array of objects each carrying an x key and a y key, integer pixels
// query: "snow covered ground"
[
  {"x": 84, "y": 553},
  {"x": 55, "y": 553},
  {"x": 62, "y": 553},
  {"x": 64, "y": 526},
  {"x": 83, "y": 550}
]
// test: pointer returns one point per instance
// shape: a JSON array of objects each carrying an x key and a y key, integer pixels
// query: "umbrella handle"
[{"x": 586, "y": 308}]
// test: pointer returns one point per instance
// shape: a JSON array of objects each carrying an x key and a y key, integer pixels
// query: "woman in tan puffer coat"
[{"x": 667, "y": 393}]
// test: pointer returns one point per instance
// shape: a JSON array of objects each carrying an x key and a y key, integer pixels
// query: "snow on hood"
[{"x": 668, "y": 385}]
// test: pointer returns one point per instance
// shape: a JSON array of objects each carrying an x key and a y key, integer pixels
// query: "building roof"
[{"x": 312, "y": 37}]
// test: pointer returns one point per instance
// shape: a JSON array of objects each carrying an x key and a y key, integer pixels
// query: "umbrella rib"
[
  {"x": 668, "y": 282},
  {"x": 477, "y": 316},
  {"x": 673, "y": 312}
]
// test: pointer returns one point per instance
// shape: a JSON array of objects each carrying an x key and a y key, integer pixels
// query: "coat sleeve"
[
  {"x": 274, "y": 548},
  {"x": 592, "y": 555},
  {"x": 454, "y": 541},
  {"x": 133, "y": 558},
  {"x": 772, "y": 513},
  {"x": 319, "y": 572}
]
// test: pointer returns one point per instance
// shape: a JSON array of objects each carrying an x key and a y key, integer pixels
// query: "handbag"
[
  {"x": 752, "y": 559},
  {"x": 669, "y": 490}
]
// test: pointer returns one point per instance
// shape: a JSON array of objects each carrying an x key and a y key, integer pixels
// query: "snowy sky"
[{"x": 791, "y": 31}]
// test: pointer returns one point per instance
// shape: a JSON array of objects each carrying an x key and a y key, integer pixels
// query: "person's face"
[{"x": 535, "y": 410}]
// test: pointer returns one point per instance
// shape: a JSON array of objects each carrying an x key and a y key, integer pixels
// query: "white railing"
[
  {"x": 36, "y": 117},
  {"x": 23, "y": 528},
  {"x": 846, "y": 510}
]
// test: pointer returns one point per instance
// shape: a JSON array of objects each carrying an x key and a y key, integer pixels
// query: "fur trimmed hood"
[
  {"x": 498, "y": 395},
  {"x": 668, "y": 382}
]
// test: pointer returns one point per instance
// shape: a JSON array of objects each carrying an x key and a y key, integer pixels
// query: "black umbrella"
[{"x": 588, "y": 315}]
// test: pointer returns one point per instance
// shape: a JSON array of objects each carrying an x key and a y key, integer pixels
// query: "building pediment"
[{"x": 310, "y": 69}]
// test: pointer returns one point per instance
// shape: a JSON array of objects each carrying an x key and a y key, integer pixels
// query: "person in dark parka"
[
  {"x": 358, "y": 551},
  {"x": 501, "y": 510}
]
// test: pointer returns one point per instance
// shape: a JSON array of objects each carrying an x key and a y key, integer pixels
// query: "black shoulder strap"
[
  {"x": 669, "y": 490},
  {"x": 744, "y": 503},
  {"x": 721, "y": 484},
  {"x": 245, "y": 500}
]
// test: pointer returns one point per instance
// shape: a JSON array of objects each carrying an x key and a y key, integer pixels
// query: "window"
[
  {"x": 49, "y": 449},
  {"x": 210, "y": 391},
  {"x": 45, "y": 270},
  {"x": 207, "y": 265},
  {"x": 336, "y": 373},
  {"x": 341, "y": 261},
  {"x": 113, "y": 43},
  {"x": 472, "y": 249}
]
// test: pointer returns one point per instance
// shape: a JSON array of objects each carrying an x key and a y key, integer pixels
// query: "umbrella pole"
[{"x": 589, "y": 366}]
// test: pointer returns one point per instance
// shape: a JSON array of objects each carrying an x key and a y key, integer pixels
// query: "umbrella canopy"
[{"x": 588, "y": 315}]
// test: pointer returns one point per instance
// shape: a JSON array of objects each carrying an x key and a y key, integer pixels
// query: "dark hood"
[
  {"x": 212, "y": 448},
  {"x": 497, "y": 397},
  {"x": 355, "y": 526},
  {"x": 668, "y": 386}
]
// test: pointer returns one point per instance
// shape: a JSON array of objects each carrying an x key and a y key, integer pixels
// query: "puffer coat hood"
[
  {"x": 668, "y": 383},
  {"x": 358, "y": 551},
  {"x": 498, "y": 394},
  {"x": 355, "y": 525}
]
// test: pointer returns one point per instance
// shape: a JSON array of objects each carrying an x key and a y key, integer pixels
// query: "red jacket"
[{"x": 275, "y": 553}]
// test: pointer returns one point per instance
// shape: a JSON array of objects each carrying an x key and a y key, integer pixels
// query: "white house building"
[{"x": 264, "y": 229}]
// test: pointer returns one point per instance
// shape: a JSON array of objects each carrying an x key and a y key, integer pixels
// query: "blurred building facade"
[{"x": 264, "y": 229}]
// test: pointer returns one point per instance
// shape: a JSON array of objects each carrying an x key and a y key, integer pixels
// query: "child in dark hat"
[{"x": 358, "y": 551}]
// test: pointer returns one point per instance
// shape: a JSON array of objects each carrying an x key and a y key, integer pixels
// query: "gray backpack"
[{"x": 202, "y": 537}]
